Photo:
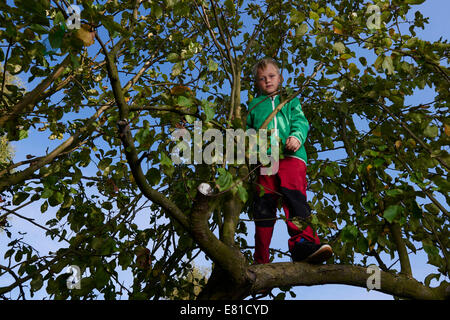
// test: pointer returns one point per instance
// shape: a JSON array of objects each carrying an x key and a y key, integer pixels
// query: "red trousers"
[{"x": 289, "y": 184}]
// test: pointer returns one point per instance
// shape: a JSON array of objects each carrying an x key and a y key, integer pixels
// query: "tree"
[{"x": 157, "y": 66}]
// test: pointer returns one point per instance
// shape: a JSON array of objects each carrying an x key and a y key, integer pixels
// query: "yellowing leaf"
[
  {"x": 177, "y": 69},
  {"x": 212, "y": 65},
  {"x": 398, "y": 144},
  {"x": 313, "y": 15},
  {"x": 337, "y": 30},
  {"x": 339, "y": 47},
  {"x": 179, "y": 90},
  {"x": 369, "y": 167},
  {"x": 391, "y": 32},
  {"x": 388, "y": 65},
  {"x": 301, "y": 30},
  {"x": 447, "y": 129},
  {"x": 86, "y": 35},
  {"x": 431, "y": 131}
]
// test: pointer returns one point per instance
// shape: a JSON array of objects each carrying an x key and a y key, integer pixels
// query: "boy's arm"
[{"x": 299, "y": 123}]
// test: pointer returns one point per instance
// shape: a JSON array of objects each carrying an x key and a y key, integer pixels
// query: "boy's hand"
[{"x": 292, "y": 144}]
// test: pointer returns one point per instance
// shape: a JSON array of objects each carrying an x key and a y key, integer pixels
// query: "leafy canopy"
[{"x": 378, "y": 150}]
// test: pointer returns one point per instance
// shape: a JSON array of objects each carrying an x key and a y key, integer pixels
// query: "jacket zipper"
[{"x": 273, "y": 108}]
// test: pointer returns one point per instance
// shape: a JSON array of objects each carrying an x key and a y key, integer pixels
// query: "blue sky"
[{"x": 438, "y": 26}]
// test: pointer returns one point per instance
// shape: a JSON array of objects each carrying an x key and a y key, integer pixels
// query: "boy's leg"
[
  {"x": 292, "y": 174},
  {"x": 265, "y": 211}
]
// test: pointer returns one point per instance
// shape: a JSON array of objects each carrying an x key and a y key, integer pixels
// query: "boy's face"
[{"x": 268, "y": 79}]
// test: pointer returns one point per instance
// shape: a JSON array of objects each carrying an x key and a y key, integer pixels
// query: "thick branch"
[
  {"x": 396, "y": 232},
  {"x": 20, "y": 176},
  {"x": 267, "y": 276},
  {"x": 141, "y": 181},
  {"x": 128, "y": 143},
  {"x": 32, "y": 97},
  {"x": 229, "y": 258}
]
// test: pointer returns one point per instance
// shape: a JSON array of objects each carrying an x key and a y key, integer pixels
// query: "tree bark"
[
  {"x": 302, "y": 274},
  {"x": 272, "y": 275}
]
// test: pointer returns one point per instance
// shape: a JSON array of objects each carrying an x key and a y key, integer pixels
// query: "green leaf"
[
  {"x": 330, "y": 13},
  {"x": 379, "y": 60},
  {"x": 431, "y": 131},
  {"x": 329, "y": 171},
  {"x": 20, "y": 197},
  {"x": 362, "y": 244},
  {"x": 363, "y": 61},
  {"x": 125, "y": 259},
  {"x": 156, "y": 11},
  {"x": 23, "y": 134},
  {"x": 101, "y": 277},
  {"x": 59, "y": 18},
  {"x": 392, "y": 212},
  {"x": 38, "y": 28},
  {"x": 417, "y": 117},
  {"x": 339, "y": 47},
  {"x": 301, "y": 30},
  {"x": 242, "y": 192},
  {"x": 297, "y": 17},
  {"x": 177, "y": 69},
  {"x": 77, "y": 175},
  {"x": 56, "y": 198},
  {"x": 153, "y": 176},
  {"x": 313, "y": 15},
  {"x": 104, "y": 163},
  {"x": 190, "y": 119},
  {"x": 47, "y": 193},
  {"x": 349, "y": 233},
  {"x": 173, "y": 57},
  {"x": 212, "y": 65},
  {"x": 44, "y": 206},
  {"x": 225, "y": 179},
  {"x": 431, "y": 250},
  {"x": 97, "y": 243},
  {"x": 345, "y": 56},
  {"x": 394, "y": 192},
  {"x": 56, "y": 37},
  {"x": 432, "y": 208},
  {"x": 414, "y": 1},
  {"x": 378, "y": 162},
  {"x": 107, "y": 205},
  {"x": 183, "y": 101},
  {"x": 165, "y": 160},
  {"x": 208, "y": 108},
  {"x": 388, "y": 65},
  {"x": 230, "y": 6},
  {"x": 36, "y": 283},
  {"x": 171, "y": 3}
]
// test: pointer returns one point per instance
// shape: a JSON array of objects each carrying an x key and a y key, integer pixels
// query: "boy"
[{"x": 290, "y": 180}]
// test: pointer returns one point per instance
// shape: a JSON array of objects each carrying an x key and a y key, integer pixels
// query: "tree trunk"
[{"x": 221, "y": 286}]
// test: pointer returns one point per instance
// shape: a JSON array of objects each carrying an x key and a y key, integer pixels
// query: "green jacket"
[{"x": 290, "y": 121}]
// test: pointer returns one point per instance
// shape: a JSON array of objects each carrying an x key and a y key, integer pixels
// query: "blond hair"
[{"x": 262, "y": 64}]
